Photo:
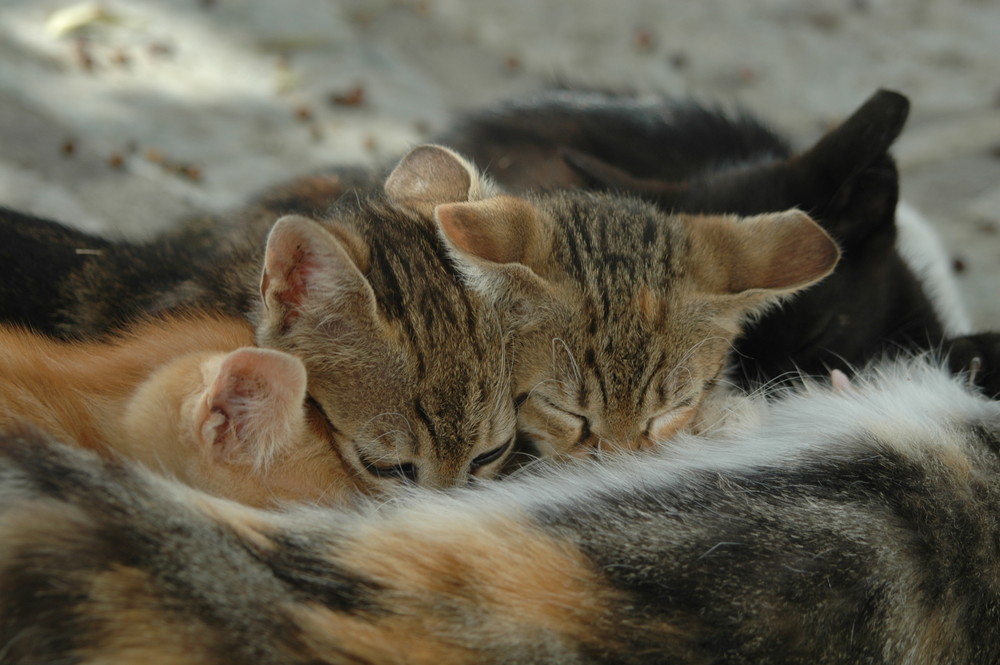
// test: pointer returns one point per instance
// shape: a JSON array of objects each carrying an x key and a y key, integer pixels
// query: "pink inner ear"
[
  {"x": 236, "y": 400},
  {"x": 297, "y": 271},
  {"x": 470, "y": 227},
  {"x": 255, "y": 391},
  {"x": 215, "y": 428},
  {"x": 457, "y": 228}
]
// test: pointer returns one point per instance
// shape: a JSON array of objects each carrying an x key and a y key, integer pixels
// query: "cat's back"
[
  {"x": 519, "y": 141},
  {"x": 812, "y": 539}
]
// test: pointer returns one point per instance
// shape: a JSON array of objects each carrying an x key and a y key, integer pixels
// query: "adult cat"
[{"x": 856, "y": 525}]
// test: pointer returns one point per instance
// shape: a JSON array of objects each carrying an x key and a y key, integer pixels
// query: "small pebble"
[
  {"x": 82, "y": 50},
  {"x": 678, "y": 60},
  {"x": 353, "y": 97},
  {"x": 644, "y": 40},
  {"x": 160, "y": 49},
  {"x": 303, "y": 113},
  {"x": 120, "y": 57}
]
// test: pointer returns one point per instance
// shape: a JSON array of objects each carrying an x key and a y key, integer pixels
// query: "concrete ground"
[{"x": 123, "y": 115}]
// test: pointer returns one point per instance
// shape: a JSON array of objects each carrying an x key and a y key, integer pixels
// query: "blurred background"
[{"x": 122, "y": 115}]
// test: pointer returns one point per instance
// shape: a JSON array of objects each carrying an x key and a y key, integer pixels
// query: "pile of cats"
[{"x": 583, "y": 281}]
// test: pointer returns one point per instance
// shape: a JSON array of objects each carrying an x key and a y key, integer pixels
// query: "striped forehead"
[
  {"x": 611, "y": 246},
  {"x": 419, "y": 291}
]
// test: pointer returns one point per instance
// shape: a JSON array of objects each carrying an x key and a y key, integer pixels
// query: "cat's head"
[
  {"x": 235, "y": 425},
  {"x": 408, "y": 365},
  {"x": 625, "y": 314},
  {"x": 849, "y": 184}
]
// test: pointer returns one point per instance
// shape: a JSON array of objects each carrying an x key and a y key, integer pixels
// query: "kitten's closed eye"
[
  {"x": 669, "y": 422},
  {"x": 580, "y": 421},
  {"x": 490, "y": 456},
  {"x": 407, "y": 471}
]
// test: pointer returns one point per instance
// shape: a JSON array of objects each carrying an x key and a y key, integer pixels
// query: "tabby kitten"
[
  {"x": 185, "y": 396},
  {"x": 857, "y": 526},
  {"x": 621, "y": 335},
  {"x": 689, "y": 158},
  {"x": 408, "y": 367}
]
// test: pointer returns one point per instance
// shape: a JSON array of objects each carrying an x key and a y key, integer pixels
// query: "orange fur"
[
  {"x": 152, "y": 395},
  {"x": 534, "y": 585}
]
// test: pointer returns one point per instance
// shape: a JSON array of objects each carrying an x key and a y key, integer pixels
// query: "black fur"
[{"x": 689, "y": 158}]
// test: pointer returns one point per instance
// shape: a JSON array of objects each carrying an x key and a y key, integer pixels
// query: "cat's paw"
[{"x": 978, "y": 356}]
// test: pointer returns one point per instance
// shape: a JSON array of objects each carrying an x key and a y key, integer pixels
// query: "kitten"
[
  {"x": 620, "y": 337},
  {"x": 856, "y": 527},
  {"x": 408, "y": 367},
  {"x": 185, "y": 396},
  {"x": 689, "y": 158}
]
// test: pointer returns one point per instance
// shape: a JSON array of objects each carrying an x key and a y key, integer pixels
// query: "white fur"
[
  {"x": 910, "y": 405},
  {"x": 924, "y": 252}
]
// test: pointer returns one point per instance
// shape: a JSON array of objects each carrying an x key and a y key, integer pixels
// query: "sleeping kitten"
[
  {"x": 186, "y": 397},
  {"x": 409, "y": 367},
  {"x": 619, "y": 337},
  {"x": 856, "y": 527},
  {"x": 689, "y": 158}
]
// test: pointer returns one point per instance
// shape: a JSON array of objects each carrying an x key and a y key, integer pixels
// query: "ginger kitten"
[{"x": 186, "y": 396}]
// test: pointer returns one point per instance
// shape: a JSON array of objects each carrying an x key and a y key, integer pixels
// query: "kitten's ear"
[
  {"x": 430, "y": 175},
  {"x": 307, "y": 267},
  {"x": 848, "y": 178},
  {"x": 253, "y": 406},
  {"x": 503, "y": 229},
  {"x": 498, "y": 243},
  {"x": 763, "y": 256}
]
